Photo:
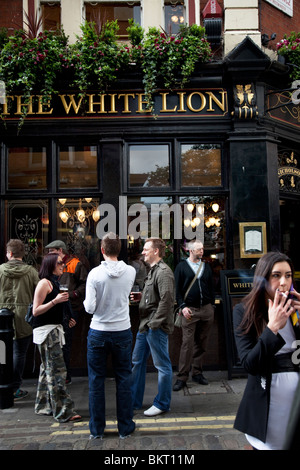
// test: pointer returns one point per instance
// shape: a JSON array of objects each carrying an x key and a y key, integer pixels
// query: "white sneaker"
[{"x": 153, "y": 411}]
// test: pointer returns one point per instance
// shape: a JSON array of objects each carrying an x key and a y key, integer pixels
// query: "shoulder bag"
[{"x": 178, "y": 311}]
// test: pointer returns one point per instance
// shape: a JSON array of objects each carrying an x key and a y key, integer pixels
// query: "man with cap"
[{"x": 74, "y": 276}]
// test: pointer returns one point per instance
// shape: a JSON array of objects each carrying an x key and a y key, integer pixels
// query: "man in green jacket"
[
  {"x": 156, "y": 323},
  {"x": 18, "y": 281}
]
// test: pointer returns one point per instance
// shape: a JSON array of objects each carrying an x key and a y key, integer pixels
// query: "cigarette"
[{"x": 284, "y": 295}]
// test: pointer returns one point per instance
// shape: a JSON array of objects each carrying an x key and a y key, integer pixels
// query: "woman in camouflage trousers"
[{"x": 49, "y": 308}]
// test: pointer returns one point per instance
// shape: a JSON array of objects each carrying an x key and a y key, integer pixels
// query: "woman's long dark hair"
[
  {"x": 256, "y": 310},
  {"x": 48, "y": 265}
]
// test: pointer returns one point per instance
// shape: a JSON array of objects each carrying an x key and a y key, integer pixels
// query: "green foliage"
[
  {"x": 95, "y": 57},
  {"x": 32, "y": 64},
  {"x": 135, "y": 33},
  {"x": 289, "y": 47},
  {"x": 3, "y": 37},
  {"x": 170, "y": 60}
]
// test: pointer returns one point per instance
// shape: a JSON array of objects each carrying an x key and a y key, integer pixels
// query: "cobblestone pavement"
[{"x": 201, "y": 418}]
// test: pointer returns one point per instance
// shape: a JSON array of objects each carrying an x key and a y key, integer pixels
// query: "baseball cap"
[{"x": 57, "y": 244}]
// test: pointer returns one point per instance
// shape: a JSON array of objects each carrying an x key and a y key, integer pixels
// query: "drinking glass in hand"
[{"x": 135, "y": 293}]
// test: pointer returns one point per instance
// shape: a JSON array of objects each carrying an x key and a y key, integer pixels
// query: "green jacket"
[
  {"x": 18, "y": 281},
  {"x": 157, "y": 303}
]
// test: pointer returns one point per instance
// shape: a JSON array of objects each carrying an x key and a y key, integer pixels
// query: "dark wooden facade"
[{"x": 227, "y": 104}]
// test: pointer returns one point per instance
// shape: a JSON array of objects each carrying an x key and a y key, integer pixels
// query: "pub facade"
[{"x": 218, "y": 159}]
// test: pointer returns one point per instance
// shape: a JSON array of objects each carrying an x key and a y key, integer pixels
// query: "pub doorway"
[{"x": 290, "y": 229}]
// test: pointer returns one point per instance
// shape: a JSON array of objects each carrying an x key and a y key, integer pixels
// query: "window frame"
[
  {"x": 26, "y": 144},
  {"x": 175, "y": 169},
  {"x": 54, "y": 3},
  {"x": 200, "y": 188},
  {"x": 167, "y": 3},
  {"x": 76, "y": 190},
  {"x": 133, "y": 3},
  {"x": 152, "y": 189}
]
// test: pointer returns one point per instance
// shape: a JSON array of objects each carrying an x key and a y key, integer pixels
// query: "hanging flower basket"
[
  {"x": 289, "y": 48},
  {"x": 39, "y": 65}
]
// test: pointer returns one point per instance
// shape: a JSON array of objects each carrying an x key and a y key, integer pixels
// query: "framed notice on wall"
[
  {"x": 284, "y": 5},
  {"x": 253, "y": 239}
]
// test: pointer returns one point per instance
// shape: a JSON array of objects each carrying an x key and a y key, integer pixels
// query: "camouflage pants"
[{"x": 52, "y": 397}]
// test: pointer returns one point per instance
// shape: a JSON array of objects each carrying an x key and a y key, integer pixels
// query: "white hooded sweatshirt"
[{"x": 107, "y": 295}]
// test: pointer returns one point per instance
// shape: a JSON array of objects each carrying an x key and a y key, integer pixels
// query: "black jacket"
[
  {"x": 201, "y": 293},
  {"x": 257, "y": 357}
]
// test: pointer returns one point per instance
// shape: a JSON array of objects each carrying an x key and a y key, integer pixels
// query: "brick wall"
[
  {"x": 271, "y": 19},
  {"x": 275, "y": 21},
  {"x": 11, "y": 14}
]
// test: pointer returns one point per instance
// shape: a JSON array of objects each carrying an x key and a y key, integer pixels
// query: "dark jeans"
[
  {"x": 118, "y": 344},
  {"x": 20, "y": 347}
]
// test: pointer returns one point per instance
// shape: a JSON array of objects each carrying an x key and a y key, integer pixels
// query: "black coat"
[{"x": 257, "y": 357}]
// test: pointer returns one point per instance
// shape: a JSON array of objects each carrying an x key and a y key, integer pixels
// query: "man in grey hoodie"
[
  {"x": 107, "y": 299},
  {"x": 18, "y": 281}
]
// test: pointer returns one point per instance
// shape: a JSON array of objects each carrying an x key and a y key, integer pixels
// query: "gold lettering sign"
[
  {"x": 288, "y": 171},
  {"x": 133, "y": 104},
  {"x": 239, "y": 285}
]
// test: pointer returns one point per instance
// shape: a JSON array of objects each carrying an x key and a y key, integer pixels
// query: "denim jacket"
[{"x": 157, "y": 303}]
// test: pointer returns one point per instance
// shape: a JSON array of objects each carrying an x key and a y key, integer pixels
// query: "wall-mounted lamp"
[{"x": 265, "y": 39}]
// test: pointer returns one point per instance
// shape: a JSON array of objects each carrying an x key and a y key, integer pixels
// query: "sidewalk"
[{"x": 201, "y": 418}]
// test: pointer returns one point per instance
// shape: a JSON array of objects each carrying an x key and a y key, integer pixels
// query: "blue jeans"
[
  {"x": 156, "y": 343},
  {"x": 118, "y": 344}
]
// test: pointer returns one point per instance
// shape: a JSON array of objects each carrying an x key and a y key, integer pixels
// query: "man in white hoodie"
[{"x": 108, "y": 288}]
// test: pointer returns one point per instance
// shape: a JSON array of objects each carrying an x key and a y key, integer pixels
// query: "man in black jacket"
[{"x": 197, "y": 311}]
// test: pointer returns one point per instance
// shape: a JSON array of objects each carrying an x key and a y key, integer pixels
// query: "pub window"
[
  {"x": 100, "y": 13},
  {"x": 27, "y": 168},
  {"x": 206, "y": 215},
  {"x": 178, "y": 221},
  {"x": 149, "y": 216},
  {"x": 78, "y": 166},
  {"x": 51, "y": 15},
  {"x": 77, "y": 220},
  {"x": 174, "y": 16},
  {"x": 149, "y": 165},
  {"x": 201, "y": 165}
]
